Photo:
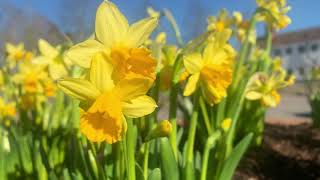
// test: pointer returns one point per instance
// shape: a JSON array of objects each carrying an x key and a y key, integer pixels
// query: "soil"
[{"x": 289, "y": 151}]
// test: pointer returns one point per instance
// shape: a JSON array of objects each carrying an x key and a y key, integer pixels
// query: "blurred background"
[
  {"x": 22, "y": 20},
  {"x": 297, "y": 147}
]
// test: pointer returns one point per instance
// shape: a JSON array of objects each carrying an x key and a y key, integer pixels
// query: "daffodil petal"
[
  {"x": 10, "y": 48},
  {"x": 269, "y": 100},
  {"x": 140, "y": 31},
  {"x": 253, "y": 95},
  {"x": 82, "y": 53},
  {"x": 193, "y": 62},
  {"x": 133, "y": 87},
  {"x": 111, "y": 26},
  {"x": 191, "y": 84},
  {"x": 57, "y": 70},
  {"x": 139, "y": 107},
  {"x": 79, "y": 88},
  {"x": 101, "y": 72},
  {"x": 41, "y": 60},
  {"x": 47, "y": 50}
]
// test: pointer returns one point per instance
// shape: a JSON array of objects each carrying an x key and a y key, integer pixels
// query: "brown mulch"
[{"x": 289, "y": 151}]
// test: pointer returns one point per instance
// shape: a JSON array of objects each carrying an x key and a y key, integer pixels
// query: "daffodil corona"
[
  {"x": 107, "y": 101},
  {"x": 211, "y": 70}
]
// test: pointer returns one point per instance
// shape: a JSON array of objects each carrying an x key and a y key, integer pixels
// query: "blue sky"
[{"x": 304, "y": 13}]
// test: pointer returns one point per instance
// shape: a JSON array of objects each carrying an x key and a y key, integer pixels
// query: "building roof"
[{"x": 304, "y": 35}]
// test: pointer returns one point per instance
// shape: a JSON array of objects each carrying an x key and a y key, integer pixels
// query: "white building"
[{"x": 299, "y": 50}]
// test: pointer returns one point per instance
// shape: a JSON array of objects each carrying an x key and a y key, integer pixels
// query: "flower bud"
[
  {"x": 226, "y": 123},
  {"x": 162, "y": 129}
]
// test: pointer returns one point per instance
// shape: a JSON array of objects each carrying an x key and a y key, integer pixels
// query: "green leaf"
[
  {"x": 155, "y": 174},
  {"x": 233, "y": 160},
  {"x": 139, "y": 172},
  {"x": 168, "y": 162},
  {"x": 40, "y": 168},
  {"x": 66, "y": 175}
]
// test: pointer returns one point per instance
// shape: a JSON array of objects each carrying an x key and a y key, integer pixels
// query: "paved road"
[{"x": 293, "y": 106}]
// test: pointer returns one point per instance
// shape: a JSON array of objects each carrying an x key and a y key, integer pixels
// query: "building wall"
[{"x": 298, "y": 57}]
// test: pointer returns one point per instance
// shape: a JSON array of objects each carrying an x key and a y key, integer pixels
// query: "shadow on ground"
[{"x": 288, "y": 152}]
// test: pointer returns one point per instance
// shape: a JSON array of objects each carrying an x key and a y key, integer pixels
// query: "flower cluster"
[{"x": 121, "y": 72}]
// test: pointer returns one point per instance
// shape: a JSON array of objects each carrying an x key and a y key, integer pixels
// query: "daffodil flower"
[
  {"x": 119, "y": 40},
  {"x": 276, "y": 15},
  {"x": 221, "y": 22},
  {"x": 30, "y": 77},
  {"x": 264, "y": 88},
  {"x": 51, "y": 57},
  {"x": 242, "y": 27},
  {"x": 107, "y": 102},
  {"x": 15, "y": 53},
  {"x": 7, "y": 109},
  {"x": 212, "y": 70}
]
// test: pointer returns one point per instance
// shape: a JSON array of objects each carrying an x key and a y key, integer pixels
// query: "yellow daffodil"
[
  {"x": 49, "y": 88},
  {"x": 264, "y": 88},
  {"x": 242, "y": 27},
  {"x": 108, "y": 101},
  {"x": 162, "y": 129},
  {"x": 30, "y": 77},
  {"x": 28, "y": 56},
  {"x": 15, "y": 52},
  {"x": 51, "y": 58},
  {"x": 276, "y": 13},
  {"x": 212, "y": 70},
  {"x": 119, "y": 40},
  {"x": 7, "y": 109},
  {"x": 221, "y": 22}
]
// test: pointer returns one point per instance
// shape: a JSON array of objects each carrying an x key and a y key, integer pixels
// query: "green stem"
[
  {"x": 232, "y": 130},
  {"x": 268, "y": 40},
  {"x": 211, "y": 141},
  {"x": 173, "y": 119},
  {"x": 192, "y": 131},
  {"x": 267, "y": 62},
  {"x": 243, "y": 52},
  {"x": 174, "y": 104},
  {"x": 131, "y": 143},
  {"x": 205, "y": 115},
  {"x": 221, "y": 107},
  {"x": 116, "y": 151},
  {"x": 146, "y": 160}
]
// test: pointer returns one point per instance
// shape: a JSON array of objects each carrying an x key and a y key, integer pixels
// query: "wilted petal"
[{"x": 139, "y": 107}]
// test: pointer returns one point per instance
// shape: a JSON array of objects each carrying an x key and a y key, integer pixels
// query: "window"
[
  {"x": 277, "y": 52},
  {"x": 302, "y": 49},
  {"x": 289, "y": 50},
  {"x": 314, "y": 47}
]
